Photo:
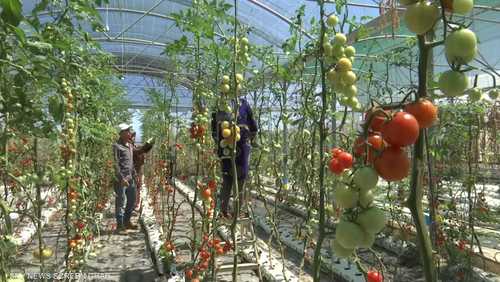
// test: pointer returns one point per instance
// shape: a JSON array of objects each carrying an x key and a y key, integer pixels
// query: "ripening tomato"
[
  {"x": 374, "y": 276},
  {"x": 220, "y": 251},
  {"x": 402, "y": 130},
  {"x": 424, "y": 111},
  {"x": 195, "y": 279},
  {"x": 345, "y": 159},
  {"x": 392, "y": 164},
  {"x": 375, "y": 142},
  {"x": 204, "y": 265},
  {"x": 448, "y": 5},
  {"x": 206, "y": 194},
  {"x": 335, "y": 166}
]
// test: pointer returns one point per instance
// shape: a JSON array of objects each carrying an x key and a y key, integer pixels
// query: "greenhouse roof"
[{"x": 137, "y": 31}]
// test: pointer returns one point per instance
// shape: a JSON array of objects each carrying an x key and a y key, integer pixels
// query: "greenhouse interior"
[{"x": 250, "y": 140}]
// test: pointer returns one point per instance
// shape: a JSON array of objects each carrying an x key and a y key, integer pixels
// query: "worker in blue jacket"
[{"x": 248, "y": 131}]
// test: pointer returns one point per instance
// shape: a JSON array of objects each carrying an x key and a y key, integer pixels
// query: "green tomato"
[
  {"x": 348, "y": 77},
  {"x": 365, "y": 178},
  {"x": 344, "y": 101},
  {"x": 340, "y": 39},
  {"x": 367, "y": 241},
  {"x": 344, "y": 197},
  {"x": 351, "y": 92},
  {"x": 331, "y": 75},
  {"x": 462, "y": 6},
  {"x": 239, "y": 78},
  {"x": 358, "y": 108},
  {"x": 340, "y": 251},
  {"x": 494, "y": 93},
  {"x": 461, "y": 46},
  {"x": 348, "y": 234},
  {"x": 352, "y": 102},
  {"x": 327, "y": 48},
  {"x": 337, "y": 51},
  {"x": 475, "y": 94},
  {"x": 350, "y": 51},
  {"x": 366, "y": 198},
  {"x": 225, "y": 88},
  {"x": 372, "y": 220},
  {"x": 332, "y": 20},
  {"x": 453, "y": 83},
  {"x": 421, "y": 17}
]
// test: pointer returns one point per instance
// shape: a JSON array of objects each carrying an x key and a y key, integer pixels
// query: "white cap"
[{"x": 124, "y": 126}]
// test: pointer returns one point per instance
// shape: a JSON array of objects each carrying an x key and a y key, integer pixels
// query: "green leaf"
[
  {"x": 42, "y": 47},
  {"x": 20, "y": 34},
  {"x": 56, "y": 107},
  {"x": 11, "y": 11}
]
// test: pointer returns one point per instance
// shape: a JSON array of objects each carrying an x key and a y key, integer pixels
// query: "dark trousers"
[
  {"x": 124, "y": 194},
  {"x": 227, "y": 187}
]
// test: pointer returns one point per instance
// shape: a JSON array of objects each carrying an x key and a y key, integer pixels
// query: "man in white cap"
[{"x": 125, "y": 186}]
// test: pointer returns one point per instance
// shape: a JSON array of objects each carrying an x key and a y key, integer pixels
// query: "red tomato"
[
  {"x": 424, "y": 111},
  {"x": 374, "y": 276},
  {"x": 205, "y": 255},
  {"x": 212, "y": 184},
  {"x": 204, "y": 265},
  {"x": 189, "y": 273},
  {"x": 336, "y": 167},
  {"x": 345, "y": 159},
  {"x": 336, "y": 151},
  {"x": 169, "y": 246},
  {"x": 227, "y": 246},
  {"x": 201, "y": 131},
  {"x": 73, "y": 195},
  {"x": 377, "y": 121},
  {"x": 220, "y": 251},
  {"x": 401, "y": 130},
  {"x": 206, "y": 194},
  {"x": 392, "y": 164}
]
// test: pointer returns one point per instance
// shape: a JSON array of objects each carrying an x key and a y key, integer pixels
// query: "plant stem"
[
  {"x": 322, "y": 137},
  {"x": 416, "y": 185}
]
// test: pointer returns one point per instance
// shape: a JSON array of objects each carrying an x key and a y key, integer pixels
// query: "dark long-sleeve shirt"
[
  {"x": 128, "y": 159},
  {"x": 124, "y": 161}
]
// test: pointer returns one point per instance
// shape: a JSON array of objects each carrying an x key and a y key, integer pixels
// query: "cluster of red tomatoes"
[
  {"x": 206, "y": 249},
  {"x": 389, "y": 134},
  {"x": 206, "y": 194},
  {"x": 196, "y": 131},
  {"x": 340, "y": 161}
]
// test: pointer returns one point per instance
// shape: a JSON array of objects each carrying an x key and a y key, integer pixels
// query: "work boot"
[{"x": 129, "y": 225}]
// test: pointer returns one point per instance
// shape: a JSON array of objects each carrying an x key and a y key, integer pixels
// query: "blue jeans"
[{"x": 124, "y": 212}]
